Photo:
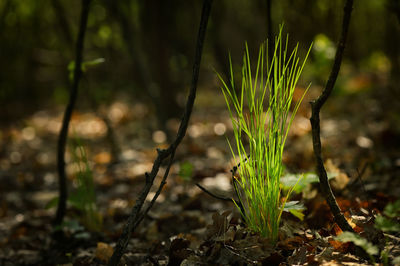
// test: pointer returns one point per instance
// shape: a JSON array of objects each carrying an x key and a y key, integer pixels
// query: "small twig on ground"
[
  {"x": 234, "y": 183},
  {"x": 62, "y": 139},
  {"x": 135, "y": 217},
  {"x": 235, "y": 252},
  {"x": 213, "y": 195},
  {"x": 315, "y": 122},
  {"x": 359, "y": 177}
]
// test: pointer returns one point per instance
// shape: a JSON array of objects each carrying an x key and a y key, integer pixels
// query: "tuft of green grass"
[
  {"x": 261, "y": 116},
  {"x": 83, "y": 197}
]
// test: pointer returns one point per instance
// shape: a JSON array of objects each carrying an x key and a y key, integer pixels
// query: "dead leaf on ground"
[
  {"x": 179, "y": 251},
  {"x": 341, "y": 179},
  {"x": 219, "y": 226},
  {"x": 104, "y": 251}
]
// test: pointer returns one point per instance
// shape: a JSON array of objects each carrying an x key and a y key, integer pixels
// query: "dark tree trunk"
[
  {"x": 62, "y": 139},
  {"x": 315, "y": 122}
]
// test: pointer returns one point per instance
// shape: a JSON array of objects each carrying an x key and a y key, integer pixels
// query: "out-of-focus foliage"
[
  {"x": 359, "y": 241},
  {"x": 300, "y": 181},
  {"x": 186, "y": 171},
  {"x": 83, "y": 198},
  {"x": 149, "y": 47},
  {"x": 388, "y": 223}
]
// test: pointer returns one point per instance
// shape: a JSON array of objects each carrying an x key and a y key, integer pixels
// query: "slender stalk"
[
  {"x": 315, "y": 122},
  {"x": 269, "y": 27},
  {"x": 62, "y": 139},
  {"x": 136, "y": 217}
]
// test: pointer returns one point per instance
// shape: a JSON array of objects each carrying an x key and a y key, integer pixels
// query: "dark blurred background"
[{"x": 148, "y": 47}]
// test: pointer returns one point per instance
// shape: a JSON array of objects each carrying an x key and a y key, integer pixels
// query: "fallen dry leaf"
[
  {"x": 340, "y": 246},
  {"x": 104, "y": 251},
  {"x": 341, "y": 179}
]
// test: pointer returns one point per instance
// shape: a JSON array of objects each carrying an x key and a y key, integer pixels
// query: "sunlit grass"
[{"x": 261, "y": 118}]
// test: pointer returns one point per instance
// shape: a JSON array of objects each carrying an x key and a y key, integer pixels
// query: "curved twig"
[
  {"x": 135, "y": 217},
  {"x": 213, "y": 195},
  {"x": 315, "y": 122},
  {"x": 62, "y": 139}
]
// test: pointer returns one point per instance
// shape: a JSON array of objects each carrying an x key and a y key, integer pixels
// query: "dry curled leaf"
[{"x": 104, "y": 251}]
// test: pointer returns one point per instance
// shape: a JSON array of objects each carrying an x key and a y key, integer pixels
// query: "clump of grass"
[
  {"x": 261, "y": 117},
  {"x": 83, "y": 197}
]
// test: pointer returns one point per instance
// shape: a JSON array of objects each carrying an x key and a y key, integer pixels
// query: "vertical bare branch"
[
  {"x": 62, "y": 139},
  {"x": 135, "y": 217},
  {"x": 315, "y": 122}
]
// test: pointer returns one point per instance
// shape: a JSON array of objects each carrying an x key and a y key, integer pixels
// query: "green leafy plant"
[
  {"x": 83, "y": 197},
  {"x": 260, "y": 132},
  {"x": 388, "y": 222},
  {"x": 84, "y": 66},
  {"x": 186, "y": 171}
]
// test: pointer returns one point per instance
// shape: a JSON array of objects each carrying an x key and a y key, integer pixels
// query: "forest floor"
[{"x": 186, "y": 226}]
